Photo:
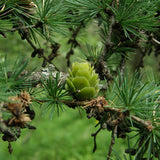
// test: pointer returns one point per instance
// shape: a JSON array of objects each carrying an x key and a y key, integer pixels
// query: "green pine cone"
[{"x": 82, "y": 81}]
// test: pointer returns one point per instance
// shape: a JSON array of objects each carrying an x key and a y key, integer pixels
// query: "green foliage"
[
  {"x": 51, "y": 17},
  {"x": 13, "y": 78},
  {"x": 14, "y": 10},
  {"x": 87, "y": 9},
  {"x": 131, "y": 93},
  {"x": 130, "y": 14},
  {"x": 92, "y": 54},
  {"x": 54, "y": 93},
  {"x": 133, "y": 15}
]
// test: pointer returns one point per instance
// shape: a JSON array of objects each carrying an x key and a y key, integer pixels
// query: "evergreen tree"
[{"x": 110, "y": 84}]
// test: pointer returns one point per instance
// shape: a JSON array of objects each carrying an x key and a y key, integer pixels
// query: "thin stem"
[
  {"x": 146, "y": 124},
  {"x": 10, "y": 148},
  {"x": 71, "y": 104},
  {"x": 95, "y": 135},
  {"x": 3, "y": 34},
  {"x": 5, "y": 13},
  {"x": 74, "y": 104},
  {"x": 73, "y": 42},
  {"x": 114, "y": 133},
  {"x": 30, "y": 42},
  {"x": 101, "y": 66},
  {"x": 155, "y": 40},
  {"x": 18, "y": 28}
]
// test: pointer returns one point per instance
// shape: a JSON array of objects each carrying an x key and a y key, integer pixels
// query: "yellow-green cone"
[{"x": 82, "y": 81}]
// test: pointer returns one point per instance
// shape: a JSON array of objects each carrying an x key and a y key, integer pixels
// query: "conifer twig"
[
  {"x": 156, "y": 41},
  {"x": 94, "y": 136},
  {"x": 3, "y": 34},
  {"x": 18, "y": 28},
  {"x": 99, "y": 110},
  {"x": 114, "y": 133},
  {"x": 101, "y": 67},
  {"x": 146, "y": 123},
  {"x": 73, "y": 42}
]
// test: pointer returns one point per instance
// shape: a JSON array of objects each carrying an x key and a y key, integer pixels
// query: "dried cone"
[
  {"x": 25, "y": 98},
  {"x": 18, "y": 109}
]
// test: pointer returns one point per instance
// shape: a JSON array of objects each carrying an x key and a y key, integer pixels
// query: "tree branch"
[
  {"x": 73, "y": 42},
  {"x": 101, "y": 66}
]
